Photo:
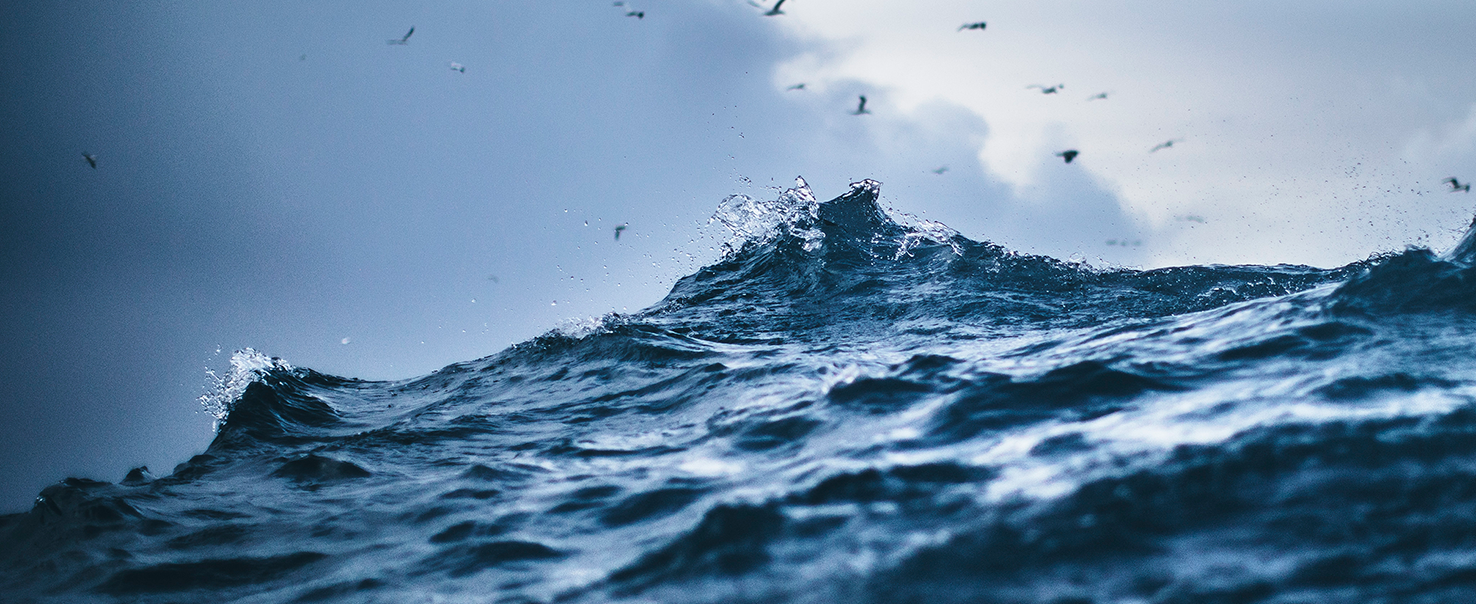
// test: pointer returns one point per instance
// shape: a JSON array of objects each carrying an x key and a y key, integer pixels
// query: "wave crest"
[
  {"x": 1411, "y": 282},
  {"x": 751, "y": 222},
  {"x": 247, "y": 366}
]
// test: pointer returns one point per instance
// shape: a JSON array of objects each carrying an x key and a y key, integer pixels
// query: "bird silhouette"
[
  {"x": 1068, "y": 155},
  {"x": 1166, "y": 144},
  {"x": 1048, "y": 89},
  {"x": 402, "y": 41},
  {"x": 1099, "y": 95},
  {"x": 940, "y": 170},
  {"x": 775, "y": 11},
  {"x": 1455, "y": 185},
  {"x": 980, "y": 25},
  {"x": 620, "y": 228},
  {"x": 458, "y": 67},
  {"x": 639, "y": 14},
  {"x": 861, "y": 108},
  {"x": 799, "y": 86},
  {"x": 91, "y": 159}
]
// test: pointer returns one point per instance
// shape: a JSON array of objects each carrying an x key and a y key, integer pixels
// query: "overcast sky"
[{"x": 273, "y": 174}]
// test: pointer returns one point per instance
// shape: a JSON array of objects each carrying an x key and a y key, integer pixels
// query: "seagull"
[
  {"x": 620, "y": 228},
  {"x": 1455, "y": 185},
  {"x": 91, "y": 159},
  {"x": 940, "y": 170},
  {"x": 861, "y": 108},
  {"x": 1099, "y": 95},
  {"x": 458, "y": 67},
  {"x": 979, "y": 25},
  {"x": 1166, "y": 144},
  {"x": 1047, "y": 89},
  {"x": 775, "y": 11},
  {"x": 402, "y": 41},
  {"x": 1068, "y": 155},
  {"x": 799, "y": 86},
  {"x": 639, "y": 14}
]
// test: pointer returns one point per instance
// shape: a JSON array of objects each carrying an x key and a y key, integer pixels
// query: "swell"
[
  {"x": 849, "y": 404},
  {"x": 846, "y": 262}
]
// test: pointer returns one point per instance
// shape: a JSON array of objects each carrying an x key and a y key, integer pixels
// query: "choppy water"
[{"x": 844, "y": 408}]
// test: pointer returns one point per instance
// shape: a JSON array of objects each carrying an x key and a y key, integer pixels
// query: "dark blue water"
[{"x": 843, "y": 409}]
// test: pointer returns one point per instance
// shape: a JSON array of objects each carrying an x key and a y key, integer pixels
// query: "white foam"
[
  {"x": 247, "y": 366},
  {"x": 753, "y": 222}
]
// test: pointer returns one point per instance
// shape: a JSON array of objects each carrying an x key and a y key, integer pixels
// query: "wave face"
[{"x": 849, "y": 406}]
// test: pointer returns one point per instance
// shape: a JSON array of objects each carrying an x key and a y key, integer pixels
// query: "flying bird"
[
  {"x": 979, "y": 25},
  {"x": 639, "y": 14},
  {"x": 620, "y": 228},
  {"x": 1166, "y": 144},
  {"x": 458, "y": 67},
  {"x": 771, "y": 12},
  {"x": 1099, "y": 95},
  {"x": 91, "y": 159},
  {"x": 1068, "y": 155},
  {"x": 403, "y": 41},
  {"x": 799, "y": 86},
  {"x": 1455, "y": 185},
  {"x": 1047, "y": 89},
  {"x": 861, "y": 108},
  {"x": 939, "y": 170}
]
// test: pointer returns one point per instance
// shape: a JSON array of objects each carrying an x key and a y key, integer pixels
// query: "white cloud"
[{"x": 1312, "y": 133}]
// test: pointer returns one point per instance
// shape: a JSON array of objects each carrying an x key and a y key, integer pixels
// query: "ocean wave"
[{"x": 850, "y": 403}]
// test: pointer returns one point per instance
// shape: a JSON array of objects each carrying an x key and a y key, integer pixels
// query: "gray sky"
[{"x": 274, "y": 175}]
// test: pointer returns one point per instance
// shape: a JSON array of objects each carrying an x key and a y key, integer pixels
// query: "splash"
[
  {"x": 922, "y": 231},
  {"x": 577, "y": 328},
  {"x": 247, "y": 366},
  {"x": 1465, "y": 251},
  {"x": 751, "y": 222}
]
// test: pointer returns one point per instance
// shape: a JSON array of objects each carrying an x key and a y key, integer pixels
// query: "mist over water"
[{"x": 849, "y": 405}]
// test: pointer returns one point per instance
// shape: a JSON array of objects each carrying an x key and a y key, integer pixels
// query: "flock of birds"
[{"x": 1067, "y": 155}]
